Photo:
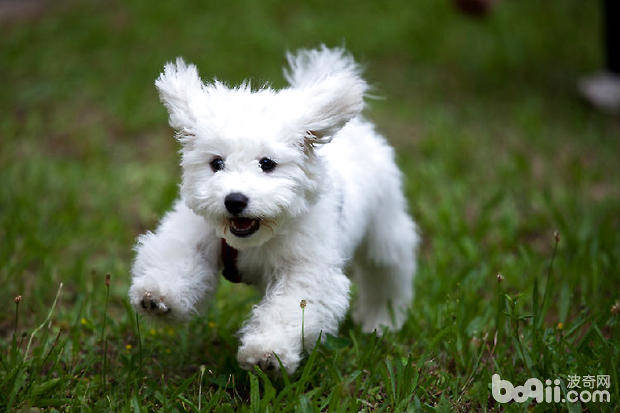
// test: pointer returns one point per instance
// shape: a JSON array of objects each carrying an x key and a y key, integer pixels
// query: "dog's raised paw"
[{"x": 154, "y": 305}]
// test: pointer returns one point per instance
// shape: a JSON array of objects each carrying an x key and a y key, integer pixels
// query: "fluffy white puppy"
[{"x": 282, "y": 189}]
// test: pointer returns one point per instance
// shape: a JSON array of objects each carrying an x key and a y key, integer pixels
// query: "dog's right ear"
[{"x": 180, "y": 89}]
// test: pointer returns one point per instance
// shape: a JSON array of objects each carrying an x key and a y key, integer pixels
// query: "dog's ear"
[
  {"x": 180, "y": 89},
  {"x": 331, "y": 103},
  {"x": 330, "y": 88}
]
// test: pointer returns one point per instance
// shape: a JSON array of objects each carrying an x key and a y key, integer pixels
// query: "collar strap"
[{"x": 229, "y": 259}]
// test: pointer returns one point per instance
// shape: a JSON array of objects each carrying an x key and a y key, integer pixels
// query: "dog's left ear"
[
  {"x": 331, "y": 90},
  {"x": 330, "y": 104},
  {"x": 180, "y": 90}
]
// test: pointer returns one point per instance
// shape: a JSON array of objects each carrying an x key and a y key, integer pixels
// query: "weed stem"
[
  {"x": 103, "y": 338},
  {"x": 47, "y": 319}
]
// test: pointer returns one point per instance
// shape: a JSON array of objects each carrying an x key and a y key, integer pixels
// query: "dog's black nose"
[{"x": 235, "y": 202}]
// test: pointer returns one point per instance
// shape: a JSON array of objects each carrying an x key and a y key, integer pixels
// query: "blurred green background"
[{"x": 497, "y": 149}]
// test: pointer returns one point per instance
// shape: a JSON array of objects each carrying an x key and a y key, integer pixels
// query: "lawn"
[{"x": 507, "y": 172}]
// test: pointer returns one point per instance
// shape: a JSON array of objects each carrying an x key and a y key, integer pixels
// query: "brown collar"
[{"x": 229, "y": 259}]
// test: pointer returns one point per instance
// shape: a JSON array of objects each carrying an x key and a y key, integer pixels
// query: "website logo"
[{"x": 595, "y": 389}]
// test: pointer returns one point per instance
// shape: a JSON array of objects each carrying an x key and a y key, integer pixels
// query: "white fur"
[{"x": 323, "y": 209}]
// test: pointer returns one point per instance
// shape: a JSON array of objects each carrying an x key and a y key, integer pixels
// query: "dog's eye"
[
  {"x": 217, "y": 164},
  {"x": 267, "y": 165}
]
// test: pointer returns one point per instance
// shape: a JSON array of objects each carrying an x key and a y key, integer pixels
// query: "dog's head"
[{"x": 248, "y": 156}]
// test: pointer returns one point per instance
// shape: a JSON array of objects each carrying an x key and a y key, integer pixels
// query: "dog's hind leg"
[{"x": 384, "y": 269}]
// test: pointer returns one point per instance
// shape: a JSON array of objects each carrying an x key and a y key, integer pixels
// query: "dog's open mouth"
[{"x": 243, "y": 227}]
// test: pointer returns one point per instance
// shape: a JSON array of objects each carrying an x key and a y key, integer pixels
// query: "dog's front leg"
[
  {"x": 175, "y": 267},
  {"x": 275, "y": 326}
]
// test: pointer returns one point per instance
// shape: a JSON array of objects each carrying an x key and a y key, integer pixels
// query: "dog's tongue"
[{"x": 242, "y": 223}]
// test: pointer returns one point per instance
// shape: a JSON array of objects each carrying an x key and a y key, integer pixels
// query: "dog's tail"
[{"x": 309, "y": 67}]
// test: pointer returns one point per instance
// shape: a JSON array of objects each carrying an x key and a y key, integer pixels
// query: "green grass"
[{"x": 498, "y": 153}]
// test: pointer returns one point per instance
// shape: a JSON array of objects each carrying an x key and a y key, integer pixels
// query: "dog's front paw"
[
  {"x": 149, "y": 297},
  {"x": 154, "y": 305},
  {"x": 267, "y": 361},
  {"x": 264, "y": 356}
]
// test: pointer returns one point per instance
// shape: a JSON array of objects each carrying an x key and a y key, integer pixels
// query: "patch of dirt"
[{"x": 16, "y": 10}]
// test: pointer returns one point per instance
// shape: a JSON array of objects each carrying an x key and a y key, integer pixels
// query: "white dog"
[{"x": 282, "y": 189}]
